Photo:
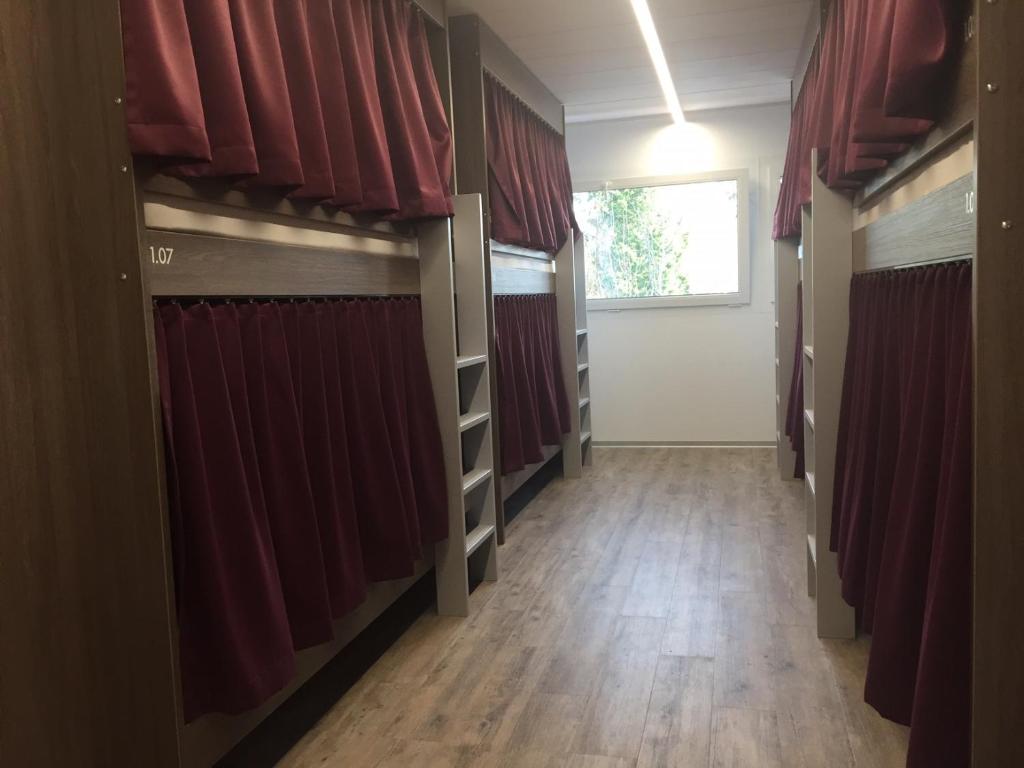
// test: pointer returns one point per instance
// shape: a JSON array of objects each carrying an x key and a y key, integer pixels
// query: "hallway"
[{"x": 654, "y": 614}]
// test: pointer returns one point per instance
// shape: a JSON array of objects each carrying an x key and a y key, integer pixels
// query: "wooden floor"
[{"x": 654, "y": 613}]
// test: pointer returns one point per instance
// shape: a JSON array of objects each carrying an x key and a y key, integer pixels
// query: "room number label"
[{"x": 161, "y": 256}]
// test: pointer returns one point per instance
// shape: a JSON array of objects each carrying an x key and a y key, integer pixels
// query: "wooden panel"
[
  {"x": 999, "y": 392},
  {"x": 507, "y": 281},
  {"x": 199, "y": 265},
  {"x": 936, "y": 227},
  {"x": 498, "y": 59},
  {"x": 87, "y": 673},
  {"x": 957, "y": 122},
  {"x": 515, "y": 250},
  {"x": 211, "y": 195}
]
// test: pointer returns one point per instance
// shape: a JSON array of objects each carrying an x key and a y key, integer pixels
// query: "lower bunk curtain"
[
  {"x": 303, "y": 463},
  {"x": 902, "y": 502},
  {"x": 533, "y": 405},
  {"x": 795, "y": 408}
]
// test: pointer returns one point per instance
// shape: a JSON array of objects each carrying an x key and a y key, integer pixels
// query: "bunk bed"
[
  {"x": 511, "y": 152},
  {"x": 879, "y": 231},
  {"x": 314, "y": 306}
]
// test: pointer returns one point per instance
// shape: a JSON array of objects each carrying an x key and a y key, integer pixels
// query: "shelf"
[
  {"x": 809, "y": 476},
  {"x": 776, "y": 362},
  {"x": 474, "y": 479},
  {"x": 812, "y": 549},
  {"x": 582, "y": 367},
  {"x": 471, "y": 420},
  {"x": 584, "y": 437},
  {"x": 584, "y": 402},
  {"x": 467, "y": 361},
  {"x": 809, "y": 351},
  {"x": 581, "y": 332},
  {"x": 809, "y": 415},
  {"x": 477, "y": 537}
]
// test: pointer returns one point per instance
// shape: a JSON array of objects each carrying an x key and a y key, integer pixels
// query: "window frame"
[{"x": 743, "y": 203}]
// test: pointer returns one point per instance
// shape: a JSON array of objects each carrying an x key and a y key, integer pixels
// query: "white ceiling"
[{"x": 590, "y": 53}]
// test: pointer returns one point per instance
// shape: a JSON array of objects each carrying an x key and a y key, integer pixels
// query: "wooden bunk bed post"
[
  {"x": 437, "y": 290},
  {"x": 86, "y": 648},
  {"x": 829, "y": 264},
  {"x": 568, "y": 325},
  {"x": 583, "y": 349},
  {"x": 999, "y": 391},
  {"x": 787, "y": 275}
]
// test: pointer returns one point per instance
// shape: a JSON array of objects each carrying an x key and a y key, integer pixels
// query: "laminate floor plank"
[{"x": 651, "y": 615}]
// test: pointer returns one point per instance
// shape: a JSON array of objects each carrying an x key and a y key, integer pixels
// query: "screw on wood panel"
[
  {"x": 1007, "y": 224},
  {"x": 123, "y": 276},
  {"x": 118, "y": 100},
  {"x": 992, "y": 87}
]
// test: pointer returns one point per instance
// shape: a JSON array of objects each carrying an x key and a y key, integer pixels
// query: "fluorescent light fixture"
[{"x": 646, "y": 22}]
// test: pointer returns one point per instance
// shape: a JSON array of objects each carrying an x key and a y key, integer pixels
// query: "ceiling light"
[{"x": 646, "y": 22}]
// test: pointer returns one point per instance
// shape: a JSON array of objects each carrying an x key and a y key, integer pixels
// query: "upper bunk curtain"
[
  {"x": 528, "y": 174},
  {"x": 901, "y": 520},
  {"x": 328, "y": 100},
  {"x": 303, "y": 463},
  {"x": 877, "y": 79},
  {"x": 533, "y": 406}
]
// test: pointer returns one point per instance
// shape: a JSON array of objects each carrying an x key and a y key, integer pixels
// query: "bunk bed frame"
[
  {"x": 146, "y": 236},
  {"x": 952, "y": 196},
  {"x": 476, "y": 49}
]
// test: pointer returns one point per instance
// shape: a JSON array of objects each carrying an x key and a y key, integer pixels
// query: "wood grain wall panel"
[
  {"x": 937, "y": 226},
  {"x": 197, "y": 265},
  {"x": 87, "y": 670},
  {"x": 512, "y": 281},
  {"x": 999, "y": 391}
]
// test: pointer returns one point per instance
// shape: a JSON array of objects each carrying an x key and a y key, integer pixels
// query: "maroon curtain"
[
  {"x": 877, "y": 79},
  {"x": 795, "y": 407},
  {"x": 902, "y": 502},
  {"x": 333, "y": 101},
  {"x": 530, "y": 186},
  {"x": 533, "y": 405},
  {"x": 304, "y": 462}
]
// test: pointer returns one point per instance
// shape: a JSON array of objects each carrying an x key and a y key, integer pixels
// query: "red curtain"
[
  {"x": 303, "y": 462},
  {"x": 329, "y": 101},
  {"x": 528, "y": 170},
  {"x": 533, "y": 405},
  {"x": 795, "y": 407},
  {"x": 902, "y": 503},
  {"x": 876, "y": 81}
]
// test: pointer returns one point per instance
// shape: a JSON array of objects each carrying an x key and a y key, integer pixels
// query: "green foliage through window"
[{"x": 668, "y": 240}]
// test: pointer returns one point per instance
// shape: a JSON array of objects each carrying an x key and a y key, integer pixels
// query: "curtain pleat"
[
  {"x": 232, "y": 147},
  {"x": 303, "y": 462},
  {"x": 534, "y": 409},
  {"x": 877, "y": 79},
  {"x": 528, "y": 174},
  {"x": 902, "y": 500},
  {"x": 334, "y": 101},
  {"x": 164, "y": 109}
]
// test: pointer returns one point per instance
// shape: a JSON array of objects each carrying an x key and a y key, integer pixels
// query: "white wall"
[{"x": 694, "y": 374}]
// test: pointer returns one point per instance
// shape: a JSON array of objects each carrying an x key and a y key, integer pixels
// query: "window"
[{"x": 666, "y": 242}]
